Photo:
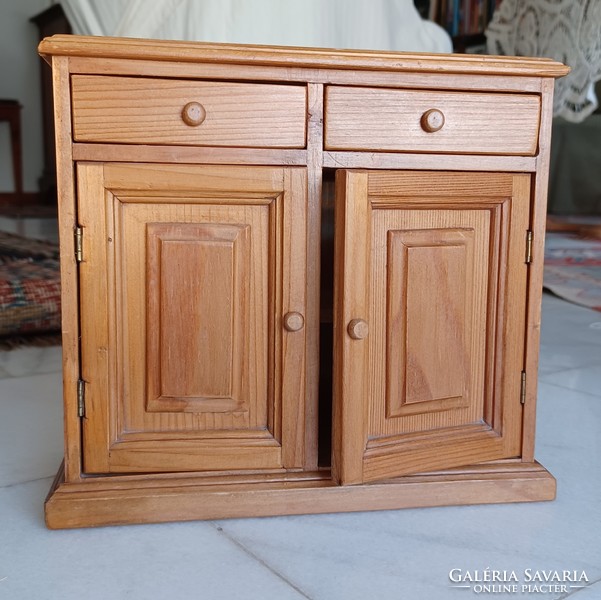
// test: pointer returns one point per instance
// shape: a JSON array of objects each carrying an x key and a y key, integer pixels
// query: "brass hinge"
[
  {"x": 523, "y": 388},
  {"x": 529, "y": 239},
  {"x": 81, "y": 398},
  {"x": 78, "y": 244}
]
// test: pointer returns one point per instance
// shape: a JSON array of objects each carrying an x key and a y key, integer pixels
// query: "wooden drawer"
[
  {"x": 431, "y": 121},
  {"x": 175, "y": 112}
]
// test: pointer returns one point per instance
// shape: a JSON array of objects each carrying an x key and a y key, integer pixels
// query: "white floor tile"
[
  {"x": 29, "y": 360},
  {"x": 570, "y": 336},
  {"x": 583, "y": 379},
  {"x": 31, "y": 427},
  {"x": 179, "y": 561},
  {"x": 409, "y": 554},
  {"x": 591, "y": 592}
]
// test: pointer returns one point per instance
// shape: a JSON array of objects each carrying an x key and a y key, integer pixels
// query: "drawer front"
[
  {"x": 431, "y": 121},
  {"x": 199, "y": 113}
]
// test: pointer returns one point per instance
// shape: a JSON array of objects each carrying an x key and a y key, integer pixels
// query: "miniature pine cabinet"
[{"x": 253, "y": 236}]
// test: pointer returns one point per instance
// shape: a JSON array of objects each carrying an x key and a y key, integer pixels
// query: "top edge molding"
[{"x": 322, "y": 58}]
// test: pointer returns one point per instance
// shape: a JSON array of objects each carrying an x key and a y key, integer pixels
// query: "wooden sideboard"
[{"x": 252, "y": 237}]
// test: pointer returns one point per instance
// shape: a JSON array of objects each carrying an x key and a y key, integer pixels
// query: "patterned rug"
[
  {"x": 29, "y": 292},
  {"x": 573, "y": 268}
]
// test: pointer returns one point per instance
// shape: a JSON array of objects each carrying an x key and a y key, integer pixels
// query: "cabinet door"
[
  {"x": 188, "y": 274},
  {"x": 430, "y": 300}
]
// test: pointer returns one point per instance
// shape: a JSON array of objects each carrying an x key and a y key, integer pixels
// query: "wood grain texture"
[
  {"x": 180, "y": 179},
  {"x": 535, "y": 278},
  {"x": 380, "y": 119},
  {"x": 198, "y": 298},
  {"x": 124, "y": 481},
  {"x": 149, "y": 111},
  {"x": 198, "y": 306},
  {"x": 188, "y": 154},
  {"x": 429, "y": 278},
  {"x": 335, "y": 76},
  {"x": 411, "y": 187},
  {"x": 313, "y": 250},
  {"x": 195, "y": 263},
  {"x": 291, "y": 358},
  {"x": 332, "y": 160},
  {"x": 428, "y": 162},
  {"x": 159, "y": 50},
  {"x": 351, "y": 293},
  {"x": 105, "y": 502},
  {"x": 98, "y": 362},
  {"x": 441, "y": 248},
  {"x": 67, "y": 221}
]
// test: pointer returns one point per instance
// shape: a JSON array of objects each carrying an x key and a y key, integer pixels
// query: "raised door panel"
[
  {"x": 198, "y": 299},
  {"x": 187, "y": 275},
  {"x": 429, "y": 295},
  {"x": 434, "y": 266}
]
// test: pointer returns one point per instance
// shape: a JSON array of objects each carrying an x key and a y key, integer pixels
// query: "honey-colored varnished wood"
[
  {"x": 185, "y": 272},
  {"x": 114, "y": 502},
  {"x": 211, "y": 155},
  {"x": 193, "y": 114},
  {"x": 205, "y": 278},
  {"x": 462, "y": 123},
  {"x": 351, "y": 297},
  {"x": 430, "y": 276},
  {"x": 427, "y": 162},
  {"x": 535, "y": 280},
  {"x": 208, "y": 266},
  {"x": 155, "y": 111},
  {"x": 314, "y": 255},
  {"x": 67, "y": 221},
  {"x": 407, "y": 79},
  {"x": 432, "y": 386},
  {"x": 165, "y": 50}
]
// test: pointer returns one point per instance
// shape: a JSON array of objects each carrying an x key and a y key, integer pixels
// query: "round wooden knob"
[
  {"x": 358, "y": 329},
  {"x": 432, "y": 120},
  {"x": 293, "y": 321},
  {"x": 193, "y": 114}
]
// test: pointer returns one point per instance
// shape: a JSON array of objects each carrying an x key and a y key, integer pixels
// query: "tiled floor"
[{"x": 385, "y": 556}]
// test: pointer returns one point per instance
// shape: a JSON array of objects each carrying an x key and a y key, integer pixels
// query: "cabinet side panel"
[
  {"x": 535, "y": 279},
  {"x": 67, "y": 217}
]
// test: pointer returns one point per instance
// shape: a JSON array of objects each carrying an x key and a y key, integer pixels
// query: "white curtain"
[
  {"x": 566, "y": 30},
  {"x": 365, "y": 24}
]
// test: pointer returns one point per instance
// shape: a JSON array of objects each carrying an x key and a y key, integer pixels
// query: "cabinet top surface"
[{"x": 178, "y": 51}]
